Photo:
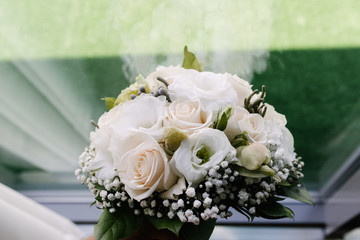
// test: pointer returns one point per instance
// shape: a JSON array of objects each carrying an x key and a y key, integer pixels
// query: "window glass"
[{"x": 59, "y": 58}]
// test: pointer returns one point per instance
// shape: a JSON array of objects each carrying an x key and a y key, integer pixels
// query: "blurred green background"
[{"x": 58, "y": 58}]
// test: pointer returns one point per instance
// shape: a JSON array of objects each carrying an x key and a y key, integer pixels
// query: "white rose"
[
  {"x": 199, "y": 152},
  {"x": 167, "y": 73},
  {"x": 188, "y": 115},
  {"x": 241, "y": 120},
  {"x": 213, "y": 90},
  {"x": 241, "y": 86},
  {"x": 142, "y": 165},
  {"x": 144, "y": 113},
  {"x": 103, "y": 161},
  {"x": 278, "y": 133},
  {"x": 271, "y": 113}
]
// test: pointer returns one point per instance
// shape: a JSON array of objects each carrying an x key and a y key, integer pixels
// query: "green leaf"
[
  {"x": 284, "y": 183},
  {"x": 244, "y": 212},
  {"x": 202, "y": 231},
  {"x": 190, "y": 61},
  {"x": 262, "y": 172},
  {"x": 93, "y": 203},
  {"x": 113, "y": 226},
  {"x": 109, "y": 102},
  {"x": 174, "y": 225},
  {"x": 296, "y": 193},
  {"x": 274, "y": 210},
  {"x": 223, "y": 118}
]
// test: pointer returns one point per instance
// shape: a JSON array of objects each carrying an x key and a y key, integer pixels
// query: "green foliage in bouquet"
[
  {"x": 238, "y": 155},
  {"x": 190, "y": 61}
]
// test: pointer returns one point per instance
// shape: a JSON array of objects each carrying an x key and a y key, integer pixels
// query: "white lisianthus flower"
[
  {"x": 142, "y": 165},
  {"x": 188, "y": 115},
  {"x": 213, "y": 90},
  {"x": 241, "y": 86},
  {"x": 199, "y": 152},
  {"x": 241, "y": 120}
]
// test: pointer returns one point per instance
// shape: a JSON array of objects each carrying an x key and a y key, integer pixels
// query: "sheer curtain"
[{"x": 22, "y": 218}]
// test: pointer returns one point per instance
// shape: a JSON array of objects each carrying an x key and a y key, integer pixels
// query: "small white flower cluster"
[
  {"x": 223, "y": 187},
  {"x": 283, "y": 166},
  {"x": 206, "y": 201}
]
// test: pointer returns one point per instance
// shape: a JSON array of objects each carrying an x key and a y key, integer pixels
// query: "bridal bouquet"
[{"x": 181, "y": 147}]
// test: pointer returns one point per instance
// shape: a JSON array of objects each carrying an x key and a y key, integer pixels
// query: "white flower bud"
[{"x": 253, "y": 156}]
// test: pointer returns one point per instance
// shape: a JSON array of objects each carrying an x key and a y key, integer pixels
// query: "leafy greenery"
[
  {"x": 223, "y": 118},
  {"x": 174, "y": 225},
  {"x": 274, "y": 210},
  {"x": 263, "y": 171},
  {"x": 113, "y": 226},
  {"x": 297, "y": 193},
  {"x": 202, "y": 231},
  {"x": 190, "y": 61},
  {"x": 109, "y": 102},
  {"x": 240, "y": 140},
  {"x": 244, "y": 212}
]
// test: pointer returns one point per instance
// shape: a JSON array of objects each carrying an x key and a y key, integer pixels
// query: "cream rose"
[
  {"x": 213, "y": 90},
  {"x": 241, "y": 120},
  {"x": 199, "y": 152},
  {"x": 188, "y": 115},
  {"x": 142, "y": 165}
]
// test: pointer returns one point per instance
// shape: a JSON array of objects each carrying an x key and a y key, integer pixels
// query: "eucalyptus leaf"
[
  {"x": 274, "y": 210},
  {"x": 190, "y": 61},
  {"x": 297, "y": 193},
  {"x": 202, "y": 231},
  {"x": 113, "y": 226},
  {"x": 109, "y": 102},
  {"x": 174, "y": 225}
]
